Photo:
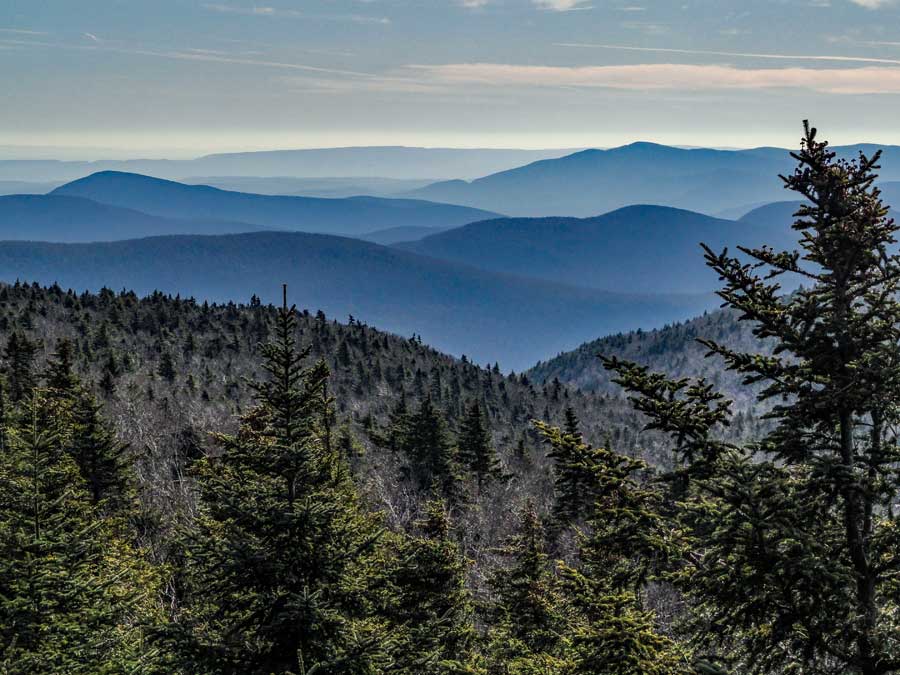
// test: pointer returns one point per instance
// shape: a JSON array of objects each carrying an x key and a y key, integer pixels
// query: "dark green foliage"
[
  {"x": 166, "y": 368},
  {"x": 72, "y": 593},
  {"x": 795, "y": 554},
  {"x": 527, "y": 622},
  {"x": 278, "y": 560},
  {"x": 104, "y": 462},
  {"x": 426, "y": 443},
  {"x": 574, "y": 480},
  {"x": 572, "y": 425},
  {"x": 19, "y": 365},
  {"x": 429, "y": 602},
  {"x": 475, "y": 447},
  {"x": 60, "y": 375},
  {"x": 627, "y": 540}
]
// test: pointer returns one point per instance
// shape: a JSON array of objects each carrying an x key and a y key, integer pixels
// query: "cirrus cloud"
[{"x": 668, "y": 76}]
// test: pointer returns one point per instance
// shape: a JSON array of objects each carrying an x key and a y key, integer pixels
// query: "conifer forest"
[{"x": 216, "y": 488}]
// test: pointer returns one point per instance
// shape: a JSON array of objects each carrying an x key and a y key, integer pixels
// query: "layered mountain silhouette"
[
  {"x": 645, "y": 249},
  {"x": 456, "y": 308},
  {"x": 61, "y": 218},
  {"x": 331, "y": 187},
  {"x": 397, "y": 235},
  {"x": 384, "y": 162},
  {"x": 596, "y": 181},
  {"x": 349, "y": 216},
  {"x": 779, "y": 215}
]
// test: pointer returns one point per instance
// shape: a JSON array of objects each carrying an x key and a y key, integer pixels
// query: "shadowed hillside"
[
  {"x": 644, "y": 249},
  {"x": 456, "y": 308},
  {"x": 355, "y": 215},
  {"x": 61, "y": 218}
]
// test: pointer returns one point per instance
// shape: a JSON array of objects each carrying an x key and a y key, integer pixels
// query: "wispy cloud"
[
  {"x": 562, "y": 5},
  {"x": 259, "y": 10},
  {"x": 873, "y": 4},
  {"x": 192, "y": 55},
  {"x": 743, "y": 55},
  {"x": 669, "y": 76},
  {"x": 20, "y": 31}
]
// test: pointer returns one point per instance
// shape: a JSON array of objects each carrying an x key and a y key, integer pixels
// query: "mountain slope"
[
  {"x": 60, "y": 218},
  {"x": 336, "y": 216},
  {"x": 646, "y": 249},
  {"x": 778, "y": 215},
  {"x": 595, "y": 181},
  {"x": 456, "y": 308},
  {"x": 673, "y": 350}
]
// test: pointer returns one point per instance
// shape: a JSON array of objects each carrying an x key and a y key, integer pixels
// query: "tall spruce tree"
[
  {"x": 74, "y": 596},
  {"x": 280, "y": 557},
  {"x": 429, "y": 603},
  {"x": 574, "y": 485},
  {"x": 527, "y": 623},
  {"x": 104, "y": 462},
  {"x": 60, "y": 374},
  {"x": 626, "y": 542},
  {"x": 796, "y": 557},
  {"x": 431, "y": 453},
  {"x": 475, "y": 448},
  {"x": 19, "y": 367}
]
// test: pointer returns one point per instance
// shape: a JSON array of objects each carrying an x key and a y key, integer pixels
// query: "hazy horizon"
[{"x": 181, "y": 78}]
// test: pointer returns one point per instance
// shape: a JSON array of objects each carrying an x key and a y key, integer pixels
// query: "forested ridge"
[
  {"x": 674, "y": 349},
  {"x": 193, "y": 488}
]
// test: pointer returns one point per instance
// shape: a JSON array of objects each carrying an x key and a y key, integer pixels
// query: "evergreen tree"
[
  {"x": 475, "y": 449},
  {"x": 166, "y": 368},
  {"x": 59, "y": 375},
  {"x": 795, "y": 554},
  {"x": 430, "y": 451},
  {"x": 572, "y": 424},
  {"x": 73, "y": 595},
  {"x": 280, "y": 558},
  {"x": 627, "y": 540},
  {"x": 574, "y": 488},
  {"x": 19, "y": 357},
  {"x": 429, "y": 603},
  {"x": 527, "y": 622},
  {"x": 104, "y": 462}
]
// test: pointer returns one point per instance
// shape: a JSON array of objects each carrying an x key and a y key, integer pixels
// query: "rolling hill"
[
  {"x": 596, "y": 181},
  {"x": 456, "y": 308},
  {"x": 350, "y": 216},
  {"x": 60, "y": 218},
  {"x": 672, "y": 349},
  {"x": 645, "y": 249}
]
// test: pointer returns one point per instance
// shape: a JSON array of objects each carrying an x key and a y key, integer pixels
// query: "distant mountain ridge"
[
  {"x": 397, "y": 162},
  {"x": 348, "y": 216},
  {"x": 456, "y": 308},
  {"x": 67, "y": 219},
  {"x": 597, "y": 181},
  {"x": 643, "y": 249},
  {"x": 329, "y": 187}
]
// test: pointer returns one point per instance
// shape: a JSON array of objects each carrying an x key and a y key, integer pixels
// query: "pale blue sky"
[{"x": 182, "y": 77}]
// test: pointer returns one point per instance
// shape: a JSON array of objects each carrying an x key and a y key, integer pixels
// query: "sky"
[{"x": 178, "y": 78}]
